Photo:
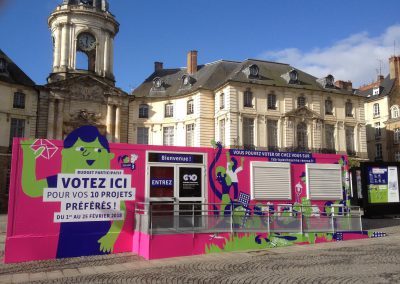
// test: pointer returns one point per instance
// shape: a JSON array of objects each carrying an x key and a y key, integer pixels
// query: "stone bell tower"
[{"x": 84, "y": 29}]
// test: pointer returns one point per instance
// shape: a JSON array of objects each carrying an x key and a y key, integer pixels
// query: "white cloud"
[{"x": 354, "y": 58}]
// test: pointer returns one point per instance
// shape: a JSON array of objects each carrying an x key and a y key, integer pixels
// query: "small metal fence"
[{"x": 187, "y": 218}]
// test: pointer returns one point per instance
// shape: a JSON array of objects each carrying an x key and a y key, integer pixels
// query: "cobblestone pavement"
[{"x": 359, "y": 261}]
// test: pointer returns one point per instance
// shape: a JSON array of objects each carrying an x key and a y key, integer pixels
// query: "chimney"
[
  {"x": 380, "y": 79},
  {"x": 344, "y": 85},
  {"x": 394, "y": 68},
  {"x": 192, "y": 62},
  {"x": 158, "y": 66}
]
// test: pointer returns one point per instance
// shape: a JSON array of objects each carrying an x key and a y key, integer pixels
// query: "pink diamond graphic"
[{"x": 49, "y": 148}]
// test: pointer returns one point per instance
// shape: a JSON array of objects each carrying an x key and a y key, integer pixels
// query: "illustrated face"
[
  {"x": 86, "y": 42},
  {"x": 85, "y": 155}
]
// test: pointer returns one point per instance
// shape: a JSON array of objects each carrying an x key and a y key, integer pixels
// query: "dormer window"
[
  {"x": 327, "y": 82},
  {"x": 330, "y": 80},
  {"x": 3, "y": 65},
  {"x": 187, "y": 81},
  {"x": 158, "y": 83},
  {"x": 293, "y": 76},
  {"x": 328, "y": 107},
  {"x": 252, "y": 72},
  {"x": 376, "y": 91}
]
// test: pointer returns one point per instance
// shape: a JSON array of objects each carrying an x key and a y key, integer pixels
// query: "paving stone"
[
  {"x": 37, "y": 276},
  {"x": 20, "y": 278},
  {"x": 54, "y": 274},
  {"x": 5, "y": 279},
  {"x": 70, "y": 272}
]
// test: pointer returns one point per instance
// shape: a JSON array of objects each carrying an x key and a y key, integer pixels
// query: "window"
[
  {"x": 330, "y": 137},
  {"x": 376, "y": 110},
  {"x": 8, "y": 179},
  {"x": 190, "y": 135},
  {"x": 143, "y": 111},
  {"x": 254, "y": 71},
  {"x": 328, "y": 107},
  {"x": 168, "y": 136},
  {"x": 19, "y": 100},
  {"x": 378, "y": 151},
  {"x": 270, "y": 181},
  {"x": 169, "y": 110},
  {"x": 190, "y": 107},
  {"x": 248, "y": 98},
  {"x": 396, "y": 136},
  {"x": 294, "y": 77},
  {"x": 222, "y": 101},
  {"x": 142, "y": 135},
  {"x": 302, "y": 137},
  {"x": 17, "y": 128},
  {"x": 221, "y": 128},
  {"x": 272, "y": 134},
  {"x": 395, "y": 111},
  {"x": 350, "y": 140},
  {"x": 376, "y": 91},
  {"x": 248, "y": 132},
  {"x": 377, "y": 129},
  {"x": 397, "y": 157},
  {"x": 301, "y": 101},
  {"x": 158, "y": 83},
  {"x": 349, "y": 109},
  {"x": 3, "y": 65},
  {"x": 324, "y": 181},
  {"x": 271, "y": 101}
]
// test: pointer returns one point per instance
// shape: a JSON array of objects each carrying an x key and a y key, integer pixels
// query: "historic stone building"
[
  {"x": 382, "y": 110},
  {"x": 252, "y": 104},
  {"x": 74, "y": 95},
  {"x": 18, "y": 112}
]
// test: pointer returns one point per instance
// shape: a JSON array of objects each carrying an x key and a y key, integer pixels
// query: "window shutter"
[
  {"x": 324, "y": 182},
  {"x": 270, "y": 181}
]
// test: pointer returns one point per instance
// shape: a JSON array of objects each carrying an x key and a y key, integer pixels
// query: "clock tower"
[{"x": 83, "y": 29}]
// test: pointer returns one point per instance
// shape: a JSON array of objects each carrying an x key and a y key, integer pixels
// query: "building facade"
[
  {"x": 252, "y": 104},
  {"x": 18, "y": 115},
  {"x": 382, "y": 110}
]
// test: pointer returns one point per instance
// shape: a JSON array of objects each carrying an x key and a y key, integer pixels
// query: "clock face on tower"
[{"x": 86, "y": 42}]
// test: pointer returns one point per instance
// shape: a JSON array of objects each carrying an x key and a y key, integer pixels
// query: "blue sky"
[{"x": 346, "y": 38}]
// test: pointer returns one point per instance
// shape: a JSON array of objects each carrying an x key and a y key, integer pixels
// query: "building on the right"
[{"x": 382, "y": 114}]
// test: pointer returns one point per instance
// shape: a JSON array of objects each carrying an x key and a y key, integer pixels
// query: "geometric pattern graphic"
[{"x": 49, "y": 148}]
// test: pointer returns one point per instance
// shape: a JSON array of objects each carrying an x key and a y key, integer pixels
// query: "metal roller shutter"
[
  {"x": 270, "y": 181},
  {"x": 324, "y": 182}
]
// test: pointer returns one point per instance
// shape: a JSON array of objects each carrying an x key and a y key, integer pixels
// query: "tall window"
[
  {"x": 396, "y": 137},
  {"x": 190, "y": 107},
  {"x": 397, "y": 157},
  {"x": 248, "y": 131},
  {"x": 222, "y": 101},
  {"x": 350, "y": 139},
  {"x": 330, "y": 137},
  {"x": 377, "y": 129},
  {"x": 143, "y": 111},
  {"x": 272, "y": 134},
  {"x": 169, "y": 110},
  {"x": 142, "y": 135},
  {"x": 3, "y": 65},
  {"x": 221, "y": 128},
  {"x": 17, "y": 128},
  {"x": 349, "y": 109},
  {"x": 271, "y": 101},
  {"x": 190, "y": 135},
  {"x": 248, "y": 98},
  {"x": 302, "y": 137},
  {"x": 168, "y": 136},
  {"x": 301, "y": 101},
  {"x": 328, "y": 107},
  {"x": 376, "y": 109},
  {"x": 378, "y": 151},
  {"x": 19, "y": 100},
  {"x": 395, "y": 111}
]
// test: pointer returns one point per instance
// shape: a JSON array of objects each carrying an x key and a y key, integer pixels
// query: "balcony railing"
[{"x": 190, "y": 218}]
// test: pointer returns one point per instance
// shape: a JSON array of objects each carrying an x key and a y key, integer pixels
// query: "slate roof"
[
  {"x": 213, "y": 75},
  {"x": 386, "y": 87},
  {"x": 14, "y": 74}
]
